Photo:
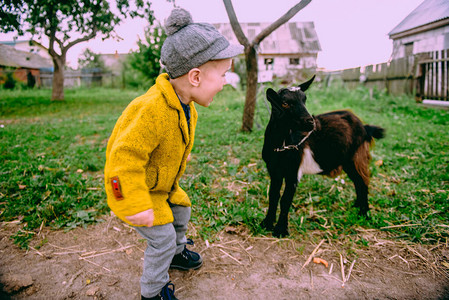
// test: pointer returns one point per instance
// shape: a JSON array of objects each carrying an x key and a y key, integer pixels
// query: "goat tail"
[{"x": 374, "y": 132}]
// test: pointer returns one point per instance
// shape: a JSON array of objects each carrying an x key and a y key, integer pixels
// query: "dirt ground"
[{"x": 104, "y": 262}]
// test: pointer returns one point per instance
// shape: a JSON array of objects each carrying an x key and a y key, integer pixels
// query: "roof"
[
  {"x": 289, "y": 38},
  {"x": 114, "y": 61},
  {"x": 427, "y": 12},
  {"x": 16, "y": 42},
  {"x": 10, "y": 57}
]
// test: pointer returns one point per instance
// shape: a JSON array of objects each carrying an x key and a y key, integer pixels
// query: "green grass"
[{"x": 53, "y": 154}]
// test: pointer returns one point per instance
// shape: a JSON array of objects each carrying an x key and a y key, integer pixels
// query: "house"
[
  {"x": 425, "y": 29},
  {"x": 28, "y": 46},
  {"x": 114, "y": 62},
  {"x": 422, "y": 40},
  {"x": 287, "y": 51},
  {"x": 24, "y": 66}
]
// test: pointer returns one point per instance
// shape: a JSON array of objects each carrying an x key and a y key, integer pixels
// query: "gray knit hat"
[{"x": 190, "y": 45}]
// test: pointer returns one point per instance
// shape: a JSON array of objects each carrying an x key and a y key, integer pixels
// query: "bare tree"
[{"x": 251, "y": 55}]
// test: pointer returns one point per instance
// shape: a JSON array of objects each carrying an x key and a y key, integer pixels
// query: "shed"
[
  {"x": 425, "y": 29},
  {"x": 288, "y": 50},
  {"x": 114, "y": 62},
  {"x": 28, "y": 46},
  {"x": 22, "y": 64}
]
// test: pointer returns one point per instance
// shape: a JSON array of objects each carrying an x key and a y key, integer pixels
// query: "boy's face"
[{"x": 212, "y": 80}]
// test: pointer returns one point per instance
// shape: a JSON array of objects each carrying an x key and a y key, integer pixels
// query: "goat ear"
[
  {"x": 304, "y": 86},
  {"x": 272, "y": 95},
  {"x": 274, "y": 99}
]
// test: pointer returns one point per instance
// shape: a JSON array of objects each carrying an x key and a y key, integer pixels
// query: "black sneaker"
[
  {"x": 166, "y": 293},
  {"x": 187, "y": 260}
]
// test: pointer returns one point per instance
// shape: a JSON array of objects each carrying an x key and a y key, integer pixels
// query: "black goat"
[{"x": 297, "y": 143}]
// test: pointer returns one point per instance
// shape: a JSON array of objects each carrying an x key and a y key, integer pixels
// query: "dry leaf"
[
  {"x": 392, "y": 193},
  {"x": 92, "y": 291},
  {"x": 46, "y": 195},
  {"x": 379, "y": 163},
  {"x": 318, "y": 260},
  {"x": 230, "y": 229}
]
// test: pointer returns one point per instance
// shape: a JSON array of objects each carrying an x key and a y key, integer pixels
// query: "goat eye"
[{"x": 285, "y": 105}]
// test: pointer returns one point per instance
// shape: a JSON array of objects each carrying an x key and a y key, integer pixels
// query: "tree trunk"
[
  {"x": 251, "y": 88},
  {"x": 58, "y": 79}
]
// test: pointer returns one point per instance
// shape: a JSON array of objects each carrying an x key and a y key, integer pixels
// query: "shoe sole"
[{"x": 184, "y": 268}]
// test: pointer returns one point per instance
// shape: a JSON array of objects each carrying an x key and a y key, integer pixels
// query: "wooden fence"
[
  {"x": 424, "y": 75},
  {"x": 75, "y": 79},
  {"x": 433, "y": 76}
]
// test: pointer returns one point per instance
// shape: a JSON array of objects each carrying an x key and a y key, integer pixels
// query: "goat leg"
[
  {"x": 281, "y": 228},
  {"x": 361, "y": 189},
  {"x": 274, "y": 195}
]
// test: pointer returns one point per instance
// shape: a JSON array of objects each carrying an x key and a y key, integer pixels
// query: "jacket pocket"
[{"x": 157, "y": 179}]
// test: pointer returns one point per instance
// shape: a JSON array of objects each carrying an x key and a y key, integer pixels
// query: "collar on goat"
[{"x": 290, "y": 147}]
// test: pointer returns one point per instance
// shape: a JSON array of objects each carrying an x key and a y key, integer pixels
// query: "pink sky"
[{"x": 351, "y": 32}]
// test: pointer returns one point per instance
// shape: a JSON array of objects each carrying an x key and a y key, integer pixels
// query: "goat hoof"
[
  {"x": 364, "y": 214},
  {"x": 267, "y": 225},
  {"x": 280, "y": 232}
]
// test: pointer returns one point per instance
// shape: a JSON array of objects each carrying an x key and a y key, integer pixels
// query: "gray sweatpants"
[{"x": 164, "y": 242}]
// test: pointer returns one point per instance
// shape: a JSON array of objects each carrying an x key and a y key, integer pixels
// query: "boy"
[{"x": 151, "y": 143}]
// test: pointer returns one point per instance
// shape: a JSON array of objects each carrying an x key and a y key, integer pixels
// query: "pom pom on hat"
[{"x": 178, "y": 19}]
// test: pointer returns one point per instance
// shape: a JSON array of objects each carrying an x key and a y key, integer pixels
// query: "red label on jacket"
[{"x": 116, "y": 189}]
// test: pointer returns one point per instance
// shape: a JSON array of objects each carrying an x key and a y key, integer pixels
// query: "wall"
[
  {"x": 432, "y": 40},
  {"x": 281, "y": 66}
]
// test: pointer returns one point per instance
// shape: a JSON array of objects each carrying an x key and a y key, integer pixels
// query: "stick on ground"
[{"x": 311, "y": 255}]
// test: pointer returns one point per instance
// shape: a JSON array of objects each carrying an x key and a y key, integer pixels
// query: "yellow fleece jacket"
[{"x": 147, "y": 152}]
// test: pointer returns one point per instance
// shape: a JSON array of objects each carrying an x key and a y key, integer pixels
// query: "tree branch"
[
  {"x": 290, "y": 14},
  {"x": 243, "y": 40},
  {"x": 60, "y": 43},
  {"x": 82, "y": 39},
  {"x": 51, "y": 45},
  {"x": 40, "y": 45}
]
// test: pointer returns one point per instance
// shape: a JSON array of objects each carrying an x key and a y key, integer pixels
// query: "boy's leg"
[
  {"x": 157, "y": 258},
  {"x": 184, "y": 258},
  {"x": 181, "y": 215}
]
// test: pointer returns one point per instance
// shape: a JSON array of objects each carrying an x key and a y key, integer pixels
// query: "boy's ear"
[{"x": 194, "y": 76}]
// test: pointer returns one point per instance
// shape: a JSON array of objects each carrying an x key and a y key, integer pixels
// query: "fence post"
[{"x": 419, "y": 80}]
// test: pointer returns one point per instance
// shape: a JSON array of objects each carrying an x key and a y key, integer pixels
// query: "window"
[
  {"x": 268, "y": 63},
  {"x": 294, "y": 61},
  {"x": 408, "y": 49}
]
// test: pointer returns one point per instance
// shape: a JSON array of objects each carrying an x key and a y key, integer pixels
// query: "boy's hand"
[{"x": 145, "y": 218}]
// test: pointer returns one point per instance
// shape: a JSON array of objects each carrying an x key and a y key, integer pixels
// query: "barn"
[
  {"x": 423, "y": 38},
  {"x": 287, "y": 52},
  {"x": 425, "y": 29},
  {"x": 24, "y": 66}
]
